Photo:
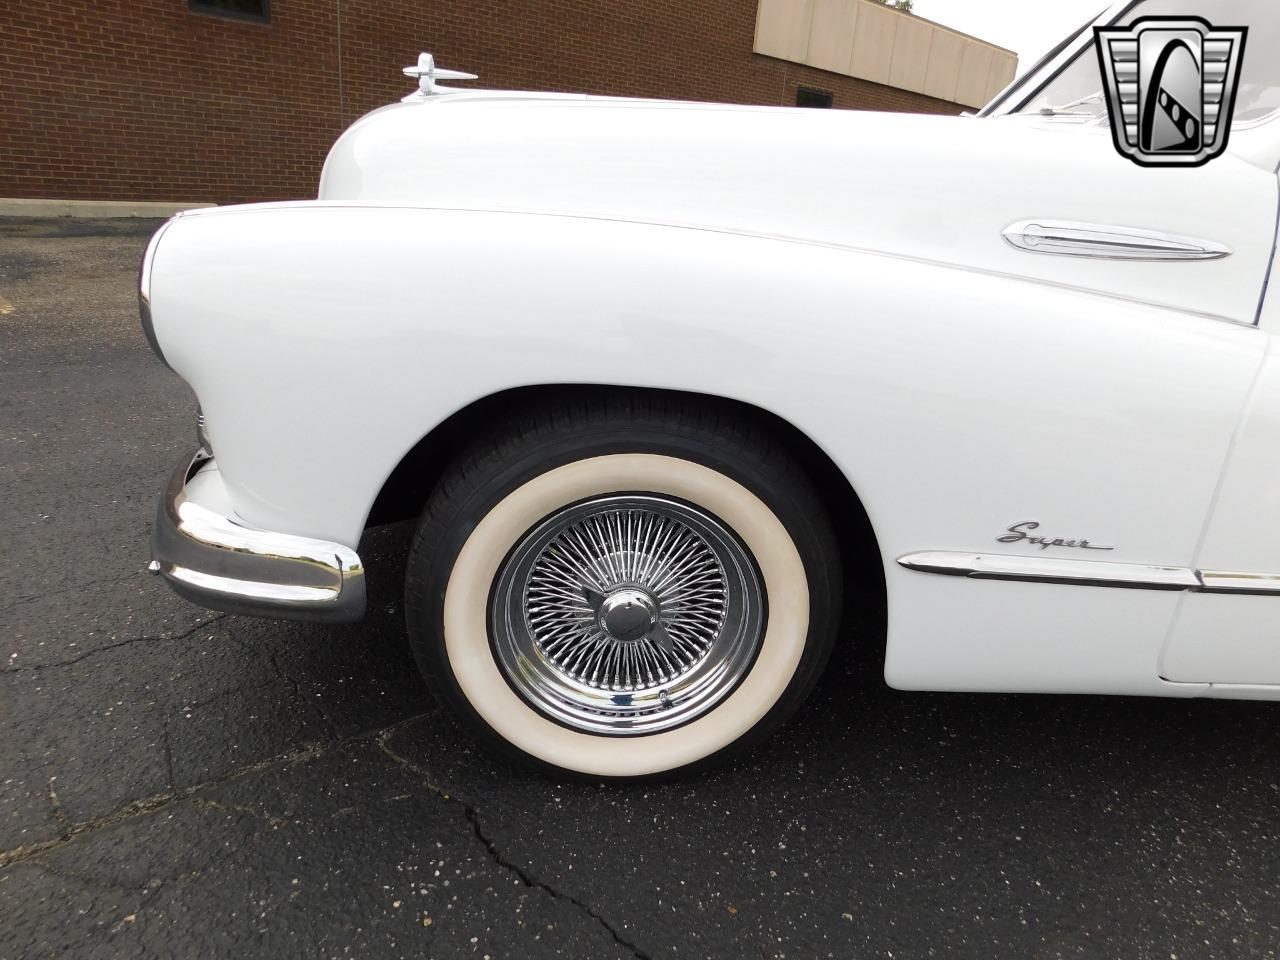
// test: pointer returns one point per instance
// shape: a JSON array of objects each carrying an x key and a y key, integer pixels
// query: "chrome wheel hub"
[{"x": 627, "y": 614}]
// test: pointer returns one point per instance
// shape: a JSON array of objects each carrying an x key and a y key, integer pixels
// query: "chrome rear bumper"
[{"x": 217, "y": 562}]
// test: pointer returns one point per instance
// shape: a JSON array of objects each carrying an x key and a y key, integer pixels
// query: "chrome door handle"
[{"x": 1069, "y": 238}]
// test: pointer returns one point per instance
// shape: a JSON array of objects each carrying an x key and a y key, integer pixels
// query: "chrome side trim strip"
[
  {"x": 1092, "y": 573},
  {"x": 1221, "y": 581},
  {"x": 1108, "y": 241}
]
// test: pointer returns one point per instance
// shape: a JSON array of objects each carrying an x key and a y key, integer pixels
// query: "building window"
[
  {"x": 812, "y": 98},
  {"x": 259, "y": 11}
]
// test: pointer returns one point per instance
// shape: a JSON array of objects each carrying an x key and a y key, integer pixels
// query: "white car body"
[{"x": 846, "y": 272}]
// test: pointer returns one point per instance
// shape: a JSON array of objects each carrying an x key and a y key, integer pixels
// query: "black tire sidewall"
[{"x": 488, "y": 473}]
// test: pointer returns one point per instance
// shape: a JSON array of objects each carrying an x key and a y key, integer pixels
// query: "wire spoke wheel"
[
  {"x": 631, "y": 587},
  {"x": 627, "y": 615}
]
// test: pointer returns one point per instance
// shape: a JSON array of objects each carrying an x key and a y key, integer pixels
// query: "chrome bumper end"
[{"x": 216, "y": 562}]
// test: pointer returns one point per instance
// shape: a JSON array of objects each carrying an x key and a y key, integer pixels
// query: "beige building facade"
[{"x": 869, "y": 41}]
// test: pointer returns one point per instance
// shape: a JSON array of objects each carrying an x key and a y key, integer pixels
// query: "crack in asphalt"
[
  {"x": 296, "y": 685},
  {"x": 146, "y": 805},
  {"x": 204, "y": 803},
  {"x": 302, "y": 697},
  {"x": 36, "y": 668},
  {"x": 473, "y": 817},
  {"x": 379, "y": 738},
  {"x": 33, "y": 597},
  {"x": 186, "y": 705}
]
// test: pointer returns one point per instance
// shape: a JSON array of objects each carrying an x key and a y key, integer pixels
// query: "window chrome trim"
[
  {"x": 1066, "y": 52},
  {"x": 1255, "y": 122},
  {"x": 1089, "y": 573}
]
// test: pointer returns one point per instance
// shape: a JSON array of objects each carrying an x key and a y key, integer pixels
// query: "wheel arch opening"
[{"x": 405, "y": 491}]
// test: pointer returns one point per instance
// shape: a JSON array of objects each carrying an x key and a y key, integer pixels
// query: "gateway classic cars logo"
[{"x": 1171, "y": 85}]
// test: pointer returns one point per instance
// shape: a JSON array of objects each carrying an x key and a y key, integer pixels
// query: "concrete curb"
[{"x": 94, "y": 209}]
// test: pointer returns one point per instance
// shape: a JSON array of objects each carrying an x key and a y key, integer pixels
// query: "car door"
[
  {"x": 1229, "y": 634},
  {"x": 1198, "y": 237}
]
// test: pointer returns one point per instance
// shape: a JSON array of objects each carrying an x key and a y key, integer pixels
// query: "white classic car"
[{"x": 653, "y": 374}]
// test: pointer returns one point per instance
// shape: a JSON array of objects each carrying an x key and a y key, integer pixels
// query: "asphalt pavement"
[{"x": 175, "y": 783}]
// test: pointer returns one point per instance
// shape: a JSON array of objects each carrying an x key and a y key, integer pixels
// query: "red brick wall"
[{"x": 143, "y": 99}]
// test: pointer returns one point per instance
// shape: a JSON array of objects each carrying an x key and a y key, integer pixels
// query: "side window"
[{"x": 1077, "y": 89}]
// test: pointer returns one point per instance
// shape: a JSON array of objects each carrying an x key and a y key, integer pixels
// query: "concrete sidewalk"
[{"x": 94, "y": 209}]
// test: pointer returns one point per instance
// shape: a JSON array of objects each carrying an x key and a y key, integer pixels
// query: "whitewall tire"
[{"x": 622, "y": 593}]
